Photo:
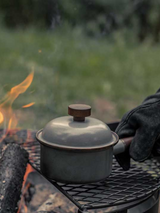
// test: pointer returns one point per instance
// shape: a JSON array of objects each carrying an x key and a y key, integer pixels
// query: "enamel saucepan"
[{"x": 78, "y": 148}]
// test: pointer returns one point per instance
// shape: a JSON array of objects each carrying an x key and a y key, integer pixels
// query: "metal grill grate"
[{"x": 119, "y": 188}]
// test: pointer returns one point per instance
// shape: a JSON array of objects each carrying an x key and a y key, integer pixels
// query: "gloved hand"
[{"x": 143, "y": 122}]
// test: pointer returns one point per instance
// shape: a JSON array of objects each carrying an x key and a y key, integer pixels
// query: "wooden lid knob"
[{"x": 79, "y": 111}]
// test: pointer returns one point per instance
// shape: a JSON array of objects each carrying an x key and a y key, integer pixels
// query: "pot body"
[{"x": 71, "y": 166}]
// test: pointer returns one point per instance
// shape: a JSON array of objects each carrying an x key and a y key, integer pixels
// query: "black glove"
[{"x": 143, "y": 123}]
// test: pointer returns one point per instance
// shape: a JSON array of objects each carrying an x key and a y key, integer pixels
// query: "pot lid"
[{"x": 77, "y": 131}]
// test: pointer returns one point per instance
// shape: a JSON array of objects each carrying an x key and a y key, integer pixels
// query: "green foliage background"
[
  {"x": 113, "y": 77},
  {"x": 96, "y": 17},
  {"x": 82, "y": 58}
]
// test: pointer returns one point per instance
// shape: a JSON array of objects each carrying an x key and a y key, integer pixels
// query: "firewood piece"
[{"x": 12, "y": 169}]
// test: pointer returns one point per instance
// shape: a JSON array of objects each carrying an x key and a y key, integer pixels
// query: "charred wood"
[{"x": 12, "y": 169}]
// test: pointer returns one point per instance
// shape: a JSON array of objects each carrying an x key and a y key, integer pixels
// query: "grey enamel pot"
[{"x": 78, "y": 148}]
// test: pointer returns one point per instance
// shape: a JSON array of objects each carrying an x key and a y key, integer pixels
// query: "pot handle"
[{"x": 122, "y": 145}]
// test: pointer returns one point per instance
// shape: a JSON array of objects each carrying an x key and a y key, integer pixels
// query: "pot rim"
[{"x": 81, "y": 149}]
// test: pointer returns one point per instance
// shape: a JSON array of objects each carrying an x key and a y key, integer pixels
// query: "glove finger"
[
  {"x": 124, "y": 131},
  {"x": 124, "y": 160},
  {"x": 142, "y": 144}
]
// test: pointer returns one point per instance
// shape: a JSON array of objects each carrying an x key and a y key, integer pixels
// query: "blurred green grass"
[{"x": 111, "y": 75}]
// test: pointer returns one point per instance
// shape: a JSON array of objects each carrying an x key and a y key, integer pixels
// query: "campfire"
[
  {"x": 22, "y": 190},
  {"x": 13, "y": 158}
]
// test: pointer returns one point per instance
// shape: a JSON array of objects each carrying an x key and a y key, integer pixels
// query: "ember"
[{"x": 28, "y": 105}]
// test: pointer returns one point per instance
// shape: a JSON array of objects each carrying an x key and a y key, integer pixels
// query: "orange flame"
[
  {"x": 28, "y": 105},
  {"x": 7, "y": 116},
  {"x": 1, "y": 117},
  {"x": 24, "y": 189},
  {"x": 28, "y": 170}
]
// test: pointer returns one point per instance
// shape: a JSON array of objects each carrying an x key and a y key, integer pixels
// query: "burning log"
[{"x": 12, "y": 169}]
